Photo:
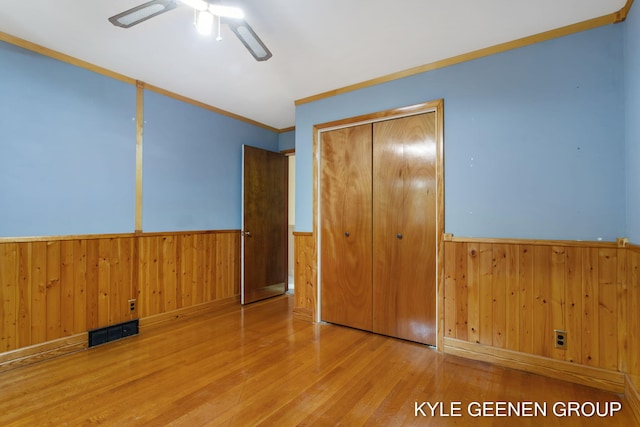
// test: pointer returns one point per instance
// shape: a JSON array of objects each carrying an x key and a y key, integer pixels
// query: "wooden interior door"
[
  {"x": 345, "y": 211},
  {"x": 405, "y": 228},
  {"x": 264, "y": 230}
]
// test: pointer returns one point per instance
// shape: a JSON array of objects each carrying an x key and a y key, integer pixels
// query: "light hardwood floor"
[{"x": 258, "y": 365}]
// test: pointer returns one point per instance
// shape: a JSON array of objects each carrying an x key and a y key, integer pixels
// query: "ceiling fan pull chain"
[{"x": 219, "y": 30}]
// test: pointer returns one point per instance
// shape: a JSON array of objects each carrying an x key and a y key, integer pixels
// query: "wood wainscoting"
[
  {"x": 185, "y": 270},
  {"x": 305, "y": 276},
  {"x": 55, "y": 289},
  {"x": 504, "y": 299}
]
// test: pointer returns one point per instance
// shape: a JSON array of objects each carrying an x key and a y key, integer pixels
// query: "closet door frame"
[{"x": 436, "y": 106}]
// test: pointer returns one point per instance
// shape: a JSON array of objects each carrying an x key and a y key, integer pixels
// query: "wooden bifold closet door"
[
  {"x": 378, "y": 227},
  {"x": 346, "y": 255},
  {"x": 404, "y": 228}
]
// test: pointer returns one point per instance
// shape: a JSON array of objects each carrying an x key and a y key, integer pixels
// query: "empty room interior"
[{"x": 320, "y": 213}]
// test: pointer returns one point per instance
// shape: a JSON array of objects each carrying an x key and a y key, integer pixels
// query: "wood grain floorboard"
[{"x": 257, "y": 365}]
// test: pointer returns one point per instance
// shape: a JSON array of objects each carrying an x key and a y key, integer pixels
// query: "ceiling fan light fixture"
[
  {"x": 204, "y": 23},
  {"x": 249, "y": 39},
  {"x": 205, "y": 13},
  {"x": 141, "y": 13},
  {"x": 226, "y": 11},
  {"x": 254, "y": 45}
]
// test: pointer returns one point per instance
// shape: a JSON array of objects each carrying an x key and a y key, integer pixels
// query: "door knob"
[
  {"x": 346, "y": 234},
  {"x": 399, "y": 236},
  {"x": 246, "y": 233}
]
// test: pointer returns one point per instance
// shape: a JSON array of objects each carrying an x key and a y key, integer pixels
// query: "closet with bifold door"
[{"x": 378, "y": 226}]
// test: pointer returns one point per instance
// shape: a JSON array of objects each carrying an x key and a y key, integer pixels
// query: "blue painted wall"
[
  {"x": 632, "y": 90},
  {"x": 67, "y": 148},
  {"x": 287, "y": 140},
  {"x": 534, "y": 138},
  {"x": 192, "y": 169},
  {"x": 67, "y": 154},
  {"x": 534, "y": 143}
]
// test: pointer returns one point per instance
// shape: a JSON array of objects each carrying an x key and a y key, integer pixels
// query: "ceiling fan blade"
[
  {"x": 249, "y": 39},
  {"x": 141, "y": 13}
]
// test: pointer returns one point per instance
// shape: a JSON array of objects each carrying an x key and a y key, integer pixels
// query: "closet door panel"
[
  {"x": 404, "y": 224},
  {"x": 346, "y": 226}
]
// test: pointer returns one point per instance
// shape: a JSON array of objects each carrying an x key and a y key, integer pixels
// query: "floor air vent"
[{"x": 113, "y": 332}]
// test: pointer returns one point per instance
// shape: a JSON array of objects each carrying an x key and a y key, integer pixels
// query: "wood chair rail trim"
[
  {"x": 107, "y": 236},
  {"x": 535, "y": 242}
]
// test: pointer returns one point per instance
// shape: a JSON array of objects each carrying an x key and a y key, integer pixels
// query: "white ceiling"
[{"x": 317, "y": 45}]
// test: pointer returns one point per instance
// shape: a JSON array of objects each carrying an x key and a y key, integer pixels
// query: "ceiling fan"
[{"x": 205, "y": 11}]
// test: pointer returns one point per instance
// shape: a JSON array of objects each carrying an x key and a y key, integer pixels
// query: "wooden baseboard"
[
  {"x": 47, "y": 350},
  {"x": 558, "y": 369},
  {"x": 633, "y": 396},
  {"x": 181, "y": 313},
  {"x": 64, "y": 346}
]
